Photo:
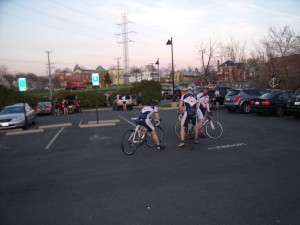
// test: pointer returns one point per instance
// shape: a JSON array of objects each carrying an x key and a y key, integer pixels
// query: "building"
[
  {"x": 139, "y": 76},
  {"x": 116, "y": 76},
  {"x": 230, "y": 72},
  {"x": 286, "y": 68},
  {"x": 185, "y": 77},
  {"x": 83, "y": 75}
]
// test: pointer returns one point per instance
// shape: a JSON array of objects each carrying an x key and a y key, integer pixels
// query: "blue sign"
[
  {"x": 22, "y": 84},
  {"x": 95, "y": 78}
]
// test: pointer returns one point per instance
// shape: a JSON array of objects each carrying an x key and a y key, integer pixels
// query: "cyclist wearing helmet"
[
  {"x": 203, "y": 106},
  {"x": 144, "y": 120},
  {"x": 188, "y": 106}
]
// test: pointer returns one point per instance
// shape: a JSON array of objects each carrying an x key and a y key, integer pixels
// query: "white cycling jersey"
[
  {"x": 145, "y": 115},
  {"x": 203, "y": 102}
]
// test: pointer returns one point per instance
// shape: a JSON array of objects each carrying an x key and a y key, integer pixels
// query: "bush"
[
  {"x": 10, "y": 96},
  {"x": 149, "y": 89}
]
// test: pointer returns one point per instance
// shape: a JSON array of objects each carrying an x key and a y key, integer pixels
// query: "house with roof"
[
  {"x": 230, "y": 72},
  {"x": 185, "y": 77},
  {"x": 82, "y": 75}
]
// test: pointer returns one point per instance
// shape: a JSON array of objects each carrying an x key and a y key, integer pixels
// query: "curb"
[
  {"x": 104, "y": 121},
  {"x": 56, "y": 125},
  {"x": 24, "y": 132},
  {"x": 97, "y": 125}
]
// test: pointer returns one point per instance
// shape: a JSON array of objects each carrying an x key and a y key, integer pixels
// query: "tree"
[
  {"x": 234, "y": 51},
  {"x": 206, "y": 52},
  {"x": 107, "y": 79},
  {"x": 3, "y": 72},
  {"x": 280, "y": 42}
]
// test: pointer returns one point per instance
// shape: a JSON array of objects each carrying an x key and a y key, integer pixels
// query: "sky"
[{"x": 85, "y": 32}]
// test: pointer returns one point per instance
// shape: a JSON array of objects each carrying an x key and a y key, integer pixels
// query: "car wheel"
[
  {"x": 231, "y": 110},
  {"x": 279, "y": 111},
  {"x": 246, "y": 108},
  {"x": 26, "y": 125},
  {"x": 34, "y": 121}
]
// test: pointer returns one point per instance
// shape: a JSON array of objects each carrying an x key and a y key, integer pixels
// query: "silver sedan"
[{"x": 13, "y": 116}]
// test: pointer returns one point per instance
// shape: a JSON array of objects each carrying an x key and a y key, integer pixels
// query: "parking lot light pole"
[
  {"x": 157, "y": 63},
  {"x": 170, "y": 42}
]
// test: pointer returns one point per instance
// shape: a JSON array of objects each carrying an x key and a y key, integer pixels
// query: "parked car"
[
  {"x": 239, "y": 99},
  {"x": 293, "y": 106},
  {"x": 273, "y": 102},
  {"x": 44, "y": 108},
  {"x": 118, "y": 102},
  {"x": 166, "y": 93},
  {"x": 13, "y": 116}
]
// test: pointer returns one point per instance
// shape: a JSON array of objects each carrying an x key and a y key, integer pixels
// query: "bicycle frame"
[{"x": 136, "y": 132}]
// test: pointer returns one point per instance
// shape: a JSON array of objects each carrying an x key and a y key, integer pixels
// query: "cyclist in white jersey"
[
  {"x": 203, "y": 106},
  {"x": 144, "y": 120},
  {"x": 188, "y": 106}
]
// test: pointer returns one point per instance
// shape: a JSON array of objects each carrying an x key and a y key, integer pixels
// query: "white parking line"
[
  {"x": 127, "y": 120},
  {"x": 227, "y": 146},
  {"x": 54, "y": 138},
  {"x": 80, "y": 122}
]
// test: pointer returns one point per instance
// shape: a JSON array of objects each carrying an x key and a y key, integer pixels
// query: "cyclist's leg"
[
  {"x": 151, "y": 130},
  {"x": 184, "y": 122},
  {"x": 194, "y": 119},
  {"x": 200, "y": 116}
]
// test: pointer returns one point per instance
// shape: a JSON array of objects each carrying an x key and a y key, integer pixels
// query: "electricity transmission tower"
[{"x": 124, "y": 42}]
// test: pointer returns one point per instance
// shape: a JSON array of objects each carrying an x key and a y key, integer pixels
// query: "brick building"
[
  {"x": 229, "y": 72},
  {"x": 84, "y": 75}
]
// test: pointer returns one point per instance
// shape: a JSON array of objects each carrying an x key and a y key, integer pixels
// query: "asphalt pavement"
[{"x": 78, "y": 175}]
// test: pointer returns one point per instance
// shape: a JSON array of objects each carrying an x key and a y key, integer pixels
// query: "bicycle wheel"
[
  {"x": 130, "y": 142},
  {"x": 149, "y": 139},
  {"x": 177, "y": 128},
  {"x": 213, "y": 129}
]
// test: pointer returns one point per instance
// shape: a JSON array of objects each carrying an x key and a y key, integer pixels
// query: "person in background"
[
  {"x": 65, "y": 105},
  {"x": 217, "y": 95},
  {"x": 56, "y": 107},
  {"x": 124, "y": 102},
  {"x": 139, "y": 101}
]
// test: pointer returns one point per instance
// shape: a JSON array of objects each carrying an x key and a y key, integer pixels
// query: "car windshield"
[
  {"x": 12, "y": 110},
  {"x": 233, "y": 92}
]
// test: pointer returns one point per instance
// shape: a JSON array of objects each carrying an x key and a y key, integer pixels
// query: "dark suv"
[{"x": 239, "y": 99}]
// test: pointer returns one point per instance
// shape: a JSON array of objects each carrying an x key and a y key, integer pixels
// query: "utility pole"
[
  {"x": 118, "y": 63},
  {"x": 49, "y": 72},
  {"x": 124, "y": 42}
]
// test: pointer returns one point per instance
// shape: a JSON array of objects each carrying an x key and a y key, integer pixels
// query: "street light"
[
  {"x": 157, "y": 63},
  {"x": 170, "y": 42}
]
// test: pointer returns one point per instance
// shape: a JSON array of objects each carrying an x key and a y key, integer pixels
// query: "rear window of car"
[
  {"x": 269, "y": 95},
  {"x": 233, "y": 92}
]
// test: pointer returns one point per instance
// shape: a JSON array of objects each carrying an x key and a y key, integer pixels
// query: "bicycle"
[
  {"x": 274, "y": 82},
  {"x": 213, "y": 128},
  {"x": 134, "y": 138}
]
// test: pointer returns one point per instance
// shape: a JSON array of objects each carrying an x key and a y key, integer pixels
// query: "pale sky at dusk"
[{"x": 83, "y": 31}]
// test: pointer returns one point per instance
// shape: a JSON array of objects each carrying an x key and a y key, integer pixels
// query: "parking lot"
[{"x": 70, "y": 173}]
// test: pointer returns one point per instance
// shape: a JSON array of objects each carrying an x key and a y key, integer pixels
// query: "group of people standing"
[
  {"x": 193, "y": 107},
  {"x": 61, "y": 105}
]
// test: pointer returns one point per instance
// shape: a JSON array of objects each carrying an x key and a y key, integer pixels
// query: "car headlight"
[{"x": 20, "y": 118}]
